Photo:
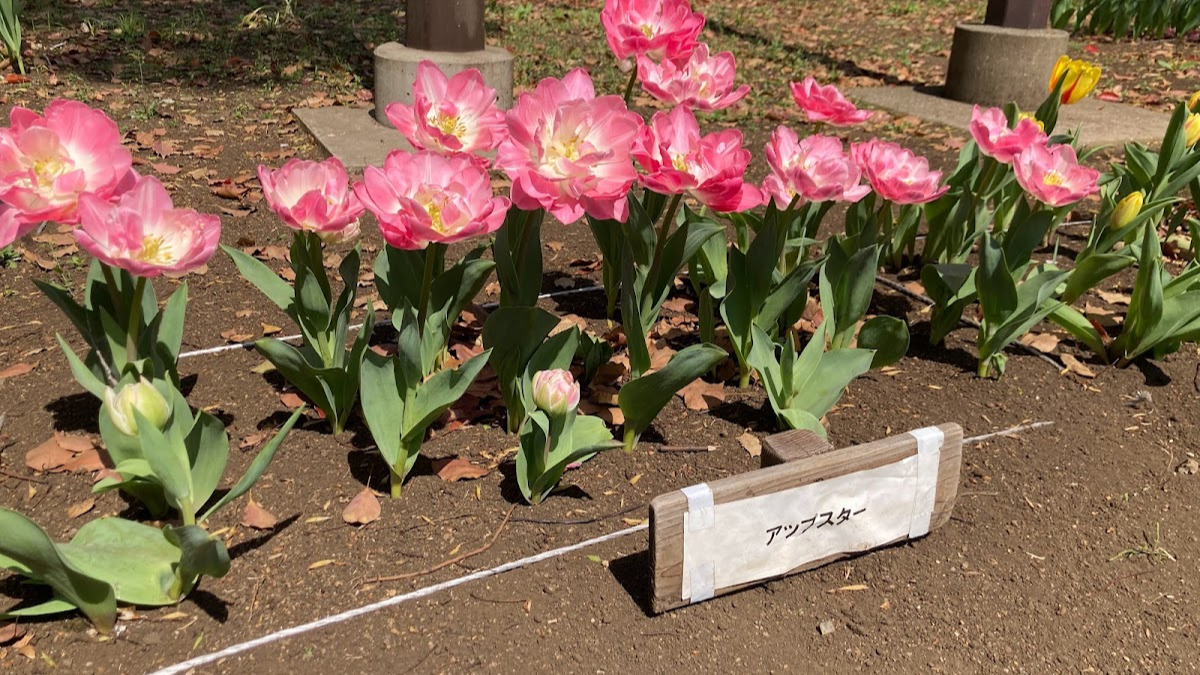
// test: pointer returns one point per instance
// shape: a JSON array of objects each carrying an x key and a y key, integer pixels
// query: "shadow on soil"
[{"x": 633, "y": 573}]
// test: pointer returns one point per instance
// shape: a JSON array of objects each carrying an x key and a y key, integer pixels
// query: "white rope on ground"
[
  {"x": 383, "y": 322},
  {"x": 474, "y": 576}
]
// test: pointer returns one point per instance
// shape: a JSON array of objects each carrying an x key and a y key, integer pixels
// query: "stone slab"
[
  {"x": 1101, "y": 123},
  {"x": 351, "y": 134}
]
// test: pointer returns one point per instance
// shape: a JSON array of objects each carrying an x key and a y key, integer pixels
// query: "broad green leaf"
[
  {"x": 199, "y": 553},
  {"x": 208, "y": 451},
  {"x": 887, "y": 336},
  {"x": 264, "y": 278},
  {"x": 29, "y": 546},
  {"x": 257, "y": 467},
  {"x": 643, "y": 398},
  {"x": 168, "y": 458},
  {"x": 997, "y": 289},
  {"x": 137, "y": 560}
]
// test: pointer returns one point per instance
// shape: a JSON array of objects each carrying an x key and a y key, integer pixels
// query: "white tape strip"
[
  {"x": 929, "y": 458},
  {"x": 700, "y": 576},
  {"x": 701, "y": 512}
]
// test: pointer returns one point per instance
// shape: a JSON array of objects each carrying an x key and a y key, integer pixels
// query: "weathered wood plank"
[{"x": 812, "y": 462}]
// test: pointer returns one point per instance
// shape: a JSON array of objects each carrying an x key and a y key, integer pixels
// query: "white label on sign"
[{"x": 769, "y": 535}]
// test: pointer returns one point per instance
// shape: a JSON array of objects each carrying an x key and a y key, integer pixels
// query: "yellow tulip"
[
  {"x": 1191, "y": 129},
  {"x": 1194, "y": 102},
  {"x": 1079, "y": 78},
  {"x": 1128, "y": 209},
  {"x": 1030, "y": 116}
]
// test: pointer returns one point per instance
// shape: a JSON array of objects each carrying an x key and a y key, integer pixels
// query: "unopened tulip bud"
[
  {"x": 555, "y": 392},
  {"x": 1194, "y": 102},
  {"x": 1191, "y": 129},
  {"x": 1128, "y": 209},
  {"x": 1079, "y": 78},
  {"x": 142, "y": 397}
]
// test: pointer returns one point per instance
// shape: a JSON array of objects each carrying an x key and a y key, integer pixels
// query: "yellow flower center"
[
  {"x": 679, "y": 162},
  {"x": 155, "y": 250},
  {"x": 647, "y": 30},
  {"x": 569, "y": 148},
  {"x": 448, "y": 124},
  {"x": 435, "y": 216},
  {"x": 1053, "y": 178},
  {"x": 49, "y": 168}
]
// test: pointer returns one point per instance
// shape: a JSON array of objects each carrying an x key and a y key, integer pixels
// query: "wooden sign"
[{"x": 807, "y": 506}]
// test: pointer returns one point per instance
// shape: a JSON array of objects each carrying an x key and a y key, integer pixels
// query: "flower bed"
[{"x": 559, "y": 159}]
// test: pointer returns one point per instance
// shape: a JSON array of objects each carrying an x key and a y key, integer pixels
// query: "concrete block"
[
  {"x": 1099, "y": 122},
  {"x": 396, "y": 70},
  {"x": 994, "y": 65},
  {"x": 352, "y": 135}
]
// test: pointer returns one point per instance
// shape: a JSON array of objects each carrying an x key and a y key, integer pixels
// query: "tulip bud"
[
  {"x": 555, "y": 392},
  {"x": 1191, "y": 129},
  {"x": 1127, "y": 209},
  {"x": 1194, "y": 102},
  {"x": 140, "y": 396}
]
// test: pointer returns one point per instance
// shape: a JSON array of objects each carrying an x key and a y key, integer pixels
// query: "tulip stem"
[
  {"x": 663, "y": 231},
  {"x": 135, "y": 321},
  {"x": 426, "y": 288},
  {"x": 629, "y": 87}
]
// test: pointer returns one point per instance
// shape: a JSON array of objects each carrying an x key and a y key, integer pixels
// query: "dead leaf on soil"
[
  {"x": 255, "y": 516},
  {"x": 11, "y": 633},
  {"x": 319, "y": 564},
  {"x": 270, "y": 329},
  {"x": 1113, "y": 297},
  {"x": 291, "y": 400},
  {"x": 17, "y": 369},
  {"x": 1043, "y": 342},
  {"x": 454, "y": 469},
  {"x": 64, "y": 453},
  {"x": 1073, "y": 365},
  {"x": 678, "y": 305},
  {"x": 232, "y": 335},
  {"x": 701, "y": 395},
  {"x": 76, "y": 510},
  {"x": 363, "y": 509},
  {"x": 752, "y": 444}
]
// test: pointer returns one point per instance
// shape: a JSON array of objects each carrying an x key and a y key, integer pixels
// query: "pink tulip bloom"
[
  {"x": 711, "y": 168},
  {"x": 143, "y": 232},
  {"x": 568, "y": 151},
  {"x": 450, "y": 115},
  {"x": 896, "y": 174},
  {"x": 1053, "y": 175},
  {"x": 313, "y": 197},
  {"x": 430, "y": 198},
  {"x": 555, "y": 391},
  {"x": 995, "y": 139},
  {"x": 660, "y": 29},
  {"x": 816, "y": 168},
  {"x": 826, "y": 104},
  {"x": 48, "y": 161},
  {"x": 14, "y": 225},
  {"x": 702, "y": 82}
]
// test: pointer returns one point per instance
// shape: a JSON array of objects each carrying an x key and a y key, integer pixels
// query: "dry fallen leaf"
[
  {"x": 64, "y": 453},
  {"x": 76, "y": 510},
  {"x": 1074, "y": 366},
  {"x": 16, "y": 369},
  {"x": 1043, "y": 342},
  {"x": 270, "y": 329},
  {"x": 291, "y": 399},
  {"x": 701, "y": 395},
  {"x": 11, "y": 633},
  {"x": 257, "y": 517},
  {"x": 454, "y": 469},
  {"x": 363, "y": 509},
  {"x": 1113, "y": 297},
  {"x": 752, "y": 443},
  {"x": 319, "y": 564}
]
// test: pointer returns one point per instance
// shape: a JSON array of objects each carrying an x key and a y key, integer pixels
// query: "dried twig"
[
  {"x": 688, "y": 448},
  {"x": 446, "y": 563},
  {"x": 9, "y": 474},
  {"x": 583, "y": 521}
]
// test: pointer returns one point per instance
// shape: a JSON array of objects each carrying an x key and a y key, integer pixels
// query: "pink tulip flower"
[
  {"x": 430, "y": 198},
  {"x": 143, "y": 232},
  {"x": 313, "y": 197},
  {"x": 702, "y": 82},
  {"x": 450, "y": 116},
  {"x": 896, "y": 174},
  {"x": 660, "y": 29},
  {"x": 14, "y": 225},
  {"x": 568, "y": 151},
  {"x": 816, "y": 168},
  {"x": 995, "y": 139},
  {"x": 711, "y": 168},
  {"x": 555, "y": 391},
  {"x": 47, "y": 161},
  {"x": 1053, "y": 176},
  {"x": 826, "y": 104}
]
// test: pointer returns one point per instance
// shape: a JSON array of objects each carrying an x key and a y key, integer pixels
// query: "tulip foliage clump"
[{"x": 67, "y": 167}]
